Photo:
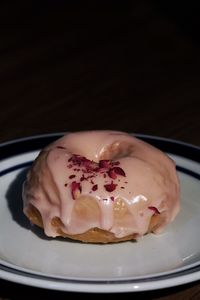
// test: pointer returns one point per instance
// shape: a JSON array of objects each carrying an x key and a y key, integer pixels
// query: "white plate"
[{"x": 28, "y": 257}]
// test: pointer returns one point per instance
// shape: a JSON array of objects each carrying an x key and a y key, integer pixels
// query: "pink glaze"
[{"x": 146, "y": 181}]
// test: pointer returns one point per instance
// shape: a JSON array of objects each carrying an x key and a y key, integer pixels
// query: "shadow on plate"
[{"x": 15, "y": 205}]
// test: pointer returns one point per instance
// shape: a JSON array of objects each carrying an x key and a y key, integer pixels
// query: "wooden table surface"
[{"x": 68, "y": 67}]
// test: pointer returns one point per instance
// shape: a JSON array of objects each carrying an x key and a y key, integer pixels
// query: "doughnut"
[{"x": 101, "y": 187}]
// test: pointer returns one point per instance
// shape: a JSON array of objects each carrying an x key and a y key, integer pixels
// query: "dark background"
[
  {"x": 131, "y": 66},
  {"x": 99, "y": 66}
]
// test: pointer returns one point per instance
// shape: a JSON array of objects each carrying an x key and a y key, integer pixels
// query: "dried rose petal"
[
  {"x": 86, "y": 165},
  {"x": 154, "y": 209},
  {"x": 95, "y": 187},
  {"x": 104, "y": 163},
  {"x": 75, "y": 189},
  {"x": 60, "y": 147},
  {"x": 119, "y": 171},
  {"x": 112, "y": 174},
  {"x": 110, "y": 187},
  {"x": 77, "y": 159},
  {"x": 82, "y": 178},
  {"x": 112, "y": 198}
]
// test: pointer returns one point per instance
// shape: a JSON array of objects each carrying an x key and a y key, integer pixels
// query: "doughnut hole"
[{"x": 117, "y": 150}]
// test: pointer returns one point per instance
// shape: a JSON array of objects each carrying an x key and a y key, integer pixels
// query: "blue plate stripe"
[
  {"x": 111, "y": 281},
  {"x": 16, "y": 167},
  {"x": 188, "y": 172}
]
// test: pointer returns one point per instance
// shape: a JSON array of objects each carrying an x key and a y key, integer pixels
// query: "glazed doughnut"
[{"x": 100, "y": 187}]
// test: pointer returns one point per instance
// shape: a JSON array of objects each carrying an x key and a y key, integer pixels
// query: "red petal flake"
[
  {"x": 80, "y": 160},
  {"x": 75, "y": 189},
  {"x": 154, "y": 209},
  {"x": 119, "y": 171},
  {"x": 112, "y": 174},
  {"x": 116, "y": 171},
  {"x": 110, "y": 187},
  {"x": 95, "y": 187},
  {"x": 104, "y": 163},
  {"x": 87, "y": 166},
  {"x": 82, "y": 178}
]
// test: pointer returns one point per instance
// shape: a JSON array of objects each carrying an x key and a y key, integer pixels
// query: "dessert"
[{"x": 101, "y": 187}]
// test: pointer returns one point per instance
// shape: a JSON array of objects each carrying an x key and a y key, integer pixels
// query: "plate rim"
[{"x": 99, "y": 286}]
